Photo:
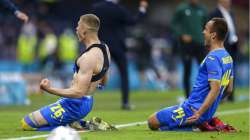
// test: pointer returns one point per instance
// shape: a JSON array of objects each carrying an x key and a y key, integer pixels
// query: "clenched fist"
[{"x": 45, "y": 84}]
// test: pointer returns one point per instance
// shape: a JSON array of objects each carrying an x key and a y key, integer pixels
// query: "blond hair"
[{"x": 91, "y": 21}]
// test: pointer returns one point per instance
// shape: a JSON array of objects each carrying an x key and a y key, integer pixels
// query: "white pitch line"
[
  {"x": 223, "y": 113},
  {"x": 131, "y": 124},
  {"x": 29, "y": 138},
  {"x": 219, "y": 114}
]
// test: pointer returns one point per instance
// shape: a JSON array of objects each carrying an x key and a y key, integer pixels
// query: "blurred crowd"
[{"x": 48, "y": 44}]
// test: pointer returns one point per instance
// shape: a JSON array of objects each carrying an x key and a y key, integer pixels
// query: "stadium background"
[
  {"x": 153, "y": 55},
  {"x": 19, "y": 79}
]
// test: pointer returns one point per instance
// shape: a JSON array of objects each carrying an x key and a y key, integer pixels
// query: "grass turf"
[{"x": 107, "y": 106}]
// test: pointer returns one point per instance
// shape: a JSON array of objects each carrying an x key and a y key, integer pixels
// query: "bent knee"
[
  {"x": 153, "y": 123},
  {"x": 25, "y": 126}
]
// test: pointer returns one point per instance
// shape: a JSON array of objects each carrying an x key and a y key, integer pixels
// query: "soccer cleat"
[
  {"x": 97, "y": 124},
  {"x": 215, "y": 121},
  {"x": 206, "y": 127},
  {"x": 222, "y": 127},
  {"x": 215, "y": 124},
  {"x": 79, "y": 125},
  {"x": 76, "y": 125}
]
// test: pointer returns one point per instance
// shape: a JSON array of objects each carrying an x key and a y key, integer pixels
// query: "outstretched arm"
[
  {"x": 81, "y": 82},
  {"x": 11, "y": 6}
]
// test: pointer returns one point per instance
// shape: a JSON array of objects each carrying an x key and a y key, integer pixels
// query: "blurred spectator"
[
  {"x": 187, "y": 24},
  {"x": 67, "y": 52},
  {"x": 26, "y": 47},
  {"x": 223, "y": 10},
  {"x": 19, "y": 14},
  {"x": 143, "y": 54},
  {"x": 154, "y": 28},
  {"x": 159, "y": 45},
  {"x": 68, "y": 46},
  {"x": 47, "y": 49},
  {"x": 114, "y": 18},
  {"x": 10, "y": 40},
  {"x": 139, "y": 45},
  {"x": 1, "y": 37},
  {"x": 242, "y": 72},
  {"x": 244, "y": 47}
]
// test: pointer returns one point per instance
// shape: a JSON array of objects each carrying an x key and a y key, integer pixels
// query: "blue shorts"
[
  {"x": 67, "y": 110},
  {"x": 174, "y": 116}
]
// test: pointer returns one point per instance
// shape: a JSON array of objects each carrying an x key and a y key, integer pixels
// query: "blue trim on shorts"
[{"x": 29, "y": 121}]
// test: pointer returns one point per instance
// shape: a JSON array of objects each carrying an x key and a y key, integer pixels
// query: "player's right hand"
[{"x": 45, "y": 84}]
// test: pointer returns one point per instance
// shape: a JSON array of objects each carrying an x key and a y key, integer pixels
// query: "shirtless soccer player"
[{"x": 90, "y": 72}]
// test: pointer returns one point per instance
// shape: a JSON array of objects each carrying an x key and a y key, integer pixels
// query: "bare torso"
[{"x": 99, "y": 65}]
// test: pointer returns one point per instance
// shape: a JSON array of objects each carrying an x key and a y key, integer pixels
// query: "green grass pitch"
[{"x": 107, "y": 106}]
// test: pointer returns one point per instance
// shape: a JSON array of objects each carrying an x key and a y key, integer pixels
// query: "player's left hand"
[
  {"x": 45, "y": 84},
  {"x": 195, "y": 116}
]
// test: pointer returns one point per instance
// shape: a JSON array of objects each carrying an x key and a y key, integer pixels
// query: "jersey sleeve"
[{"x": 214, "y": 69}]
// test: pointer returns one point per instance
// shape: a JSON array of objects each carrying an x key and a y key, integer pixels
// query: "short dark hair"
[{"x": 220, "y": 27}]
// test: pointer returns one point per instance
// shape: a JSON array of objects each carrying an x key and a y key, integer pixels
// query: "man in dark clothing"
[
  {"x": 223, "y": 10},
  {"x": 11, "y": 6},
  {"x": 188, "y": 22},
  {"x": 114, "y": 18}
]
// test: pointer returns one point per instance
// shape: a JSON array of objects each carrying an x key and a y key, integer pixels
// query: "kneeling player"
[
  {"x": 90, "y": 71},
  {"x": 215, "y": 75}
]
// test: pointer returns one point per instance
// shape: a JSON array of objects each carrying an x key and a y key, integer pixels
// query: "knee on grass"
[
  {"x": 29, "y": 123},
  {"x": 25, "y": 126},
  {"x": 153, "y": 123}
]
